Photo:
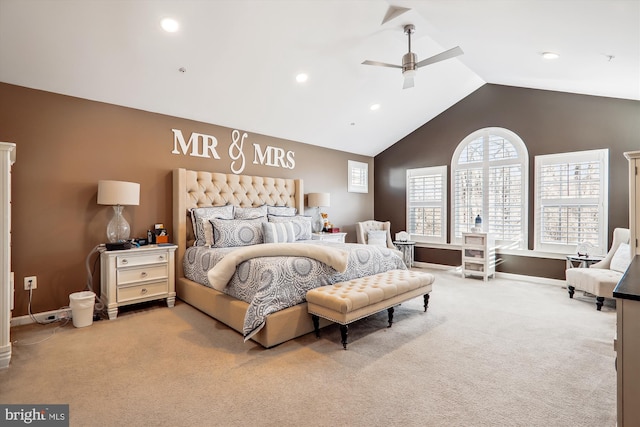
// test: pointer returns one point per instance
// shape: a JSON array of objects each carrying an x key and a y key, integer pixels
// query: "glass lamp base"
[
  {"x": 317, "y": 224},
  {"x": 118, "y": 229}
]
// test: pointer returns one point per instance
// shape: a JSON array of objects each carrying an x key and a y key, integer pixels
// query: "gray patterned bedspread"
[{"x": 270, "y": 284}]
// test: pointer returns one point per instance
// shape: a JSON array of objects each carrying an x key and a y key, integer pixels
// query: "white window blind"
[
  {"x": 489, "y": 178},
  {"x": 426, "y": 204},
  {"x": 572, "y": 201},
  {"x": 358, "y": 175}
]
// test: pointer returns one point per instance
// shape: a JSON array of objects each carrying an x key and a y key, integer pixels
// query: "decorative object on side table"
[
  {"x": 478, "y": 225},
  {"x": 317, "y": 201},
  {"x": 118, "y": 194}
]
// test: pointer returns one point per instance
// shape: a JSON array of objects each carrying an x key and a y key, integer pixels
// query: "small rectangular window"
[
  {"x": 426, "y": 204},
  {"x": 358, "y": 177}
]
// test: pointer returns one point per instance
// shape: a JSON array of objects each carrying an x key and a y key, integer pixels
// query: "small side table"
[
  {"x": 136, "y": 275},
  {"x": 407, "y": 249},
  {"x": 332, "y": 237},
  {"x": 575, "y": 261}
]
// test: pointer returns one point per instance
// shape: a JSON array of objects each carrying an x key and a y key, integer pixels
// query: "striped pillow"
[{"x": 278, "y": 232}]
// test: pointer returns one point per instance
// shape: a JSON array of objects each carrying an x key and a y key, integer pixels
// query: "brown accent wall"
[
  {"x": 548, "y": 122},
  {"x": 65, "y": 145}
]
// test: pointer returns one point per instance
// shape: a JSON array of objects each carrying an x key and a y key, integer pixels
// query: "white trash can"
[{"x": 81, "y": 304}]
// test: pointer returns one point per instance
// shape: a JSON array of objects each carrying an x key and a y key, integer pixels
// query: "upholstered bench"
[{"x": 348, "y": 301}]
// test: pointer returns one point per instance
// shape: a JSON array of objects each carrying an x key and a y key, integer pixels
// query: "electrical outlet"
[{"x": 30, "y": 282}]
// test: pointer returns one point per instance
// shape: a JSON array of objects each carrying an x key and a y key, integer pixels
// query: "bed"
[{"x": 207, "y": 291}]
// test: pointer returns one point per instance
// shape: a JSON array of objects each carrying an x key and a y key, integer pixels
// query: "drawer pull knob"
[
  {"x": 143, "y": 291},
  {"x": 161, "y": 257},
  {"x": 143, "y": 274},
  {"x": 124, "y": 261}
]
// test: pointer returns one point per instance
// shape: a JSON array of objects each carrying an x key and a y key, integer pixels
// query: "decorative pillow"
[
  {"x": 377, "y": 238},
  {"x": 621, "y": 259},
  {"x": 250, "y": 213},
  {"x": 278, "y": 232},
  {"x": 281, "y": 210},
  {"x": 301, "y": 224},
  {"x": 202, "y": 227},
  {"x": 236, "y": 232}
]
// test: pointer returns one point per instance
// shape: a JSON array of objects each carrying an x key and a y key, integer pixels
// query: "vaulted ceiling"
[{"x": 234, "y": 63}]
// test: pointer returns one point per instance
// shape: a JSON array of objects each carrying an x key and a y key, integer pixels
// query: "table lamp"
[
  {"x": 118, "y": 194},
  {"x": 318, "y": 200}
]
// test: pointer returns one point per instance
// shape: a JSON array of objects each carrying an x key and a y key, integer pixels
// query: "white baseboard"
[
  {"x": 512, "y": 276},
  {"x": 45, "y": 316}
]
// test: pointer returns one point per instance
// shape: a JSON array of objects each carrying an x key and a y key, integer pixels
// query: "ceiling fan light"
[
  {"x": 409, "y": 74},
  {"x": 550, "y": 55}
]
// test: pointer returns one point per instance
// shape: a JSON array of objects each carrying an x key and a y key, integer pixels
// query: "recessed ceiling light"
[
  {"x": 375, "y": 107},
  {"x": 169, "y": 25},
  {"x": 301, "y": 78},
  {"x": 550, "y": 55}
]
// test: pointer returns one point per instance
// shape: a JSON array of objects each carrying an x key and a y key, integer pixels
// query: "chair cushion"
[
  {"x": 377, "y": 238},
  {"x": 621, "y": 259},
  {"x": 596, "y": 281}
]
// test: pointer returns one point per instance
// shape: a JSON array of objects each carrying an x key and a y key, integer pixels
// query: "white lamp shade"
[
  {"x": 118, "y": 193},
  {"x": 319, "y": 200}
]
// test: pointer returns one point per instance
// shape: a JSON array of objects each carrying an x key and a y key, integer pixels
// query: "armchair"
[
  {"x": 363, "y": 228},
  {"x": 602, "y": 277}
]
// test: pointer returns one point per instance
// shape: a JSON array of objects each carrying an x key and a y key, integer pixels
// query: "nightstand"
[
  {"x": 331, "y": 237},
  {"x": 137, "y": 275}
]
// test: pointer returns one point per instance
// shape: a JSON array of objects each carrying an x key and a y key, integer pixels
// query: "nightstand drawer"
[
  {"x": 133, "y": 260},
  {"x": 146, "y": 273},
  {"x": 128, "y": 293}
]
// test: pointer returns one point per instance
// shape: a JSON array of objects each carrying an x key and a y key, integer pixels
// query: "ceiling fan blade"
[
  {"x": 451, "y": 53},
  {"x": 408, "y": 82},
  {"x": 381, "y": 64}
]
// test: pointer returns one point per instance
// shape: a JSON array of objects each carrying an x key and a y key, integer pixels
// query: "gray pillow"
[
  {"x": 281, "y": 210},
  {"x": 301, "y": 224},
  {"x": 202, "y": 227},
  {"x": 278, "y": 232},
  {"x": 250, "y": 213},
  {"x": 236, "y": 232}
]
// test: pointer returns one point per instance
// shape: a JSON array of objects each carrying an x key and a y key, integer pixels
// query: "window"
[
  {"x": 489, "y": 173},
  {"x": 572, "y": 201},
  {"x": 426, "y": 204},
  {"x": 358, "y": 177}
]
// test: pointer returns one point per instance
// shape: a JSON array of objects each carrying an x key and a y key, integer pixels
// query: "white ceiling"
[{"x": 242, "y": 56}]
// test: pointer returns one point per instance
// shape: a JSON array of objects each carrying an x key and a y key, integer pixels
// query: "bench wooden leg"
[
  {"x": 316, "y": 324},
  {"x": 390, "y": 311},
  {"x": 571, "y": 290},
  {"x": 344, "y": 332},
  {"x": 426, "y": 301}
]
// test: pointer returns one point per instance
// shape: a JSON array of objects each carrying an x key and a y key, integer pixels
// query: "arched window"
[{"x": 489, "y": 174}]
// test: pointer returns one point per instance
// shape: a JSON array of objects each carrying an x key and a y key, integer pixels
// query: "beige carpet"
[{"x": 502, "y": 353}]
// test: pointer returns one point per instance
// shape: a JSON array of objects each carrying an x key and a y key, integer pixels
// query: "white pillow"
[
  {"x": 621, "y": 259},
  {"x": 377, "y": 238}
]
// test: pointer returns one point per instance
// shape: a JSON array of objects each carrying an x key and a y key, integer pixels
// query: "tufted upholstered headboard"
[{"x": 193, "y": 189}]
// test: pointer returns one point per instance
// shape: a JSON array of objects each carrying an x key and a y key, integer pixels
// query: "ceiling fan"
[{"x": 409, "y": 59}]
